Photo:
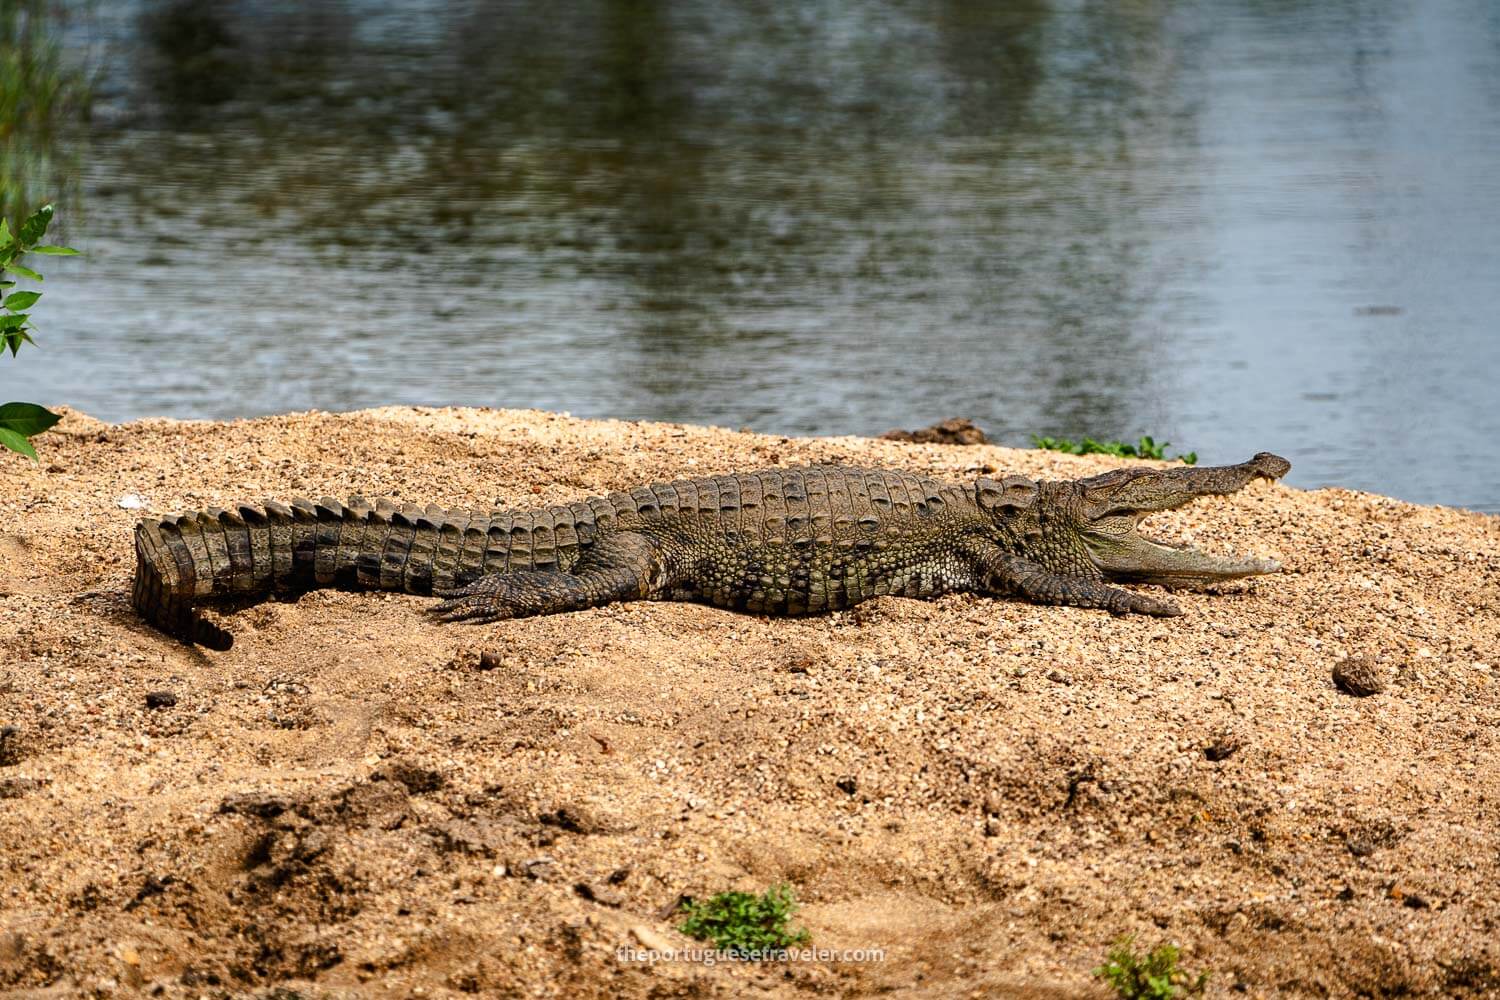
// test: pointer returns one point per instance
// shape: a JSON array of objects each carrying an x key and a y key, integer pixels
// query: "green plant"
[
  {"x": 1154, "y": 976},
  {"x": 745, "y": 922},
  {"x": 1146, "y": 447},
  {"x": 20, "y": 421}
]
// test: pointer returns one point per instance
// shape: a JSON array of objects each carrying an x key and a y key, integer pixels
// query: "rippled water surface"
[{"x": 1234, "y": 225}]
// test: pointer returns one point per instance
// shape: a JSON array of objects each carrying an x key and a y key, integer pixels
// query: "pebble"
[
  {"x": 650, "y": 939},
  {"x": 160, "y": 699},
  {"x": 1360, "y": 676}
]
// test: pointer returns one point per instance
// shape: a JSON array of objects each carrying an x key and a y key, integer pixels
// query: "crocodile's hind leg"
[{"x": 620, "y": 567}]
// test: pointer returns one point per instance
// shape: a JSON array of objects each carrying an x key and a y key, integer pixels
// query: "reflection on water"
[{"x": 1238, "y": 226}]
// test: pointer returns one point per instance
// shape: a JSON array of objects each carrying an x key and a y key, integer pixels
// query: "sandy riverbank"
[{"x": 991, "y": 792}]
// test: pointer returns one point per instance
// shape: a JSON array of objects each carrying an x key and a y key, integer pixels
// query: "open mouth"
[
  {"x": 1123, "y": 499},
  {"x": 1133, "y": 558}
]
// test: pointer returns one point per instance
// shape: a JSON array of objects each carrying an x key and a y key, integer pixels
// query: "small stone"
[
  {"x": 490, "y": 660},
  {"x": 650, "y": 939},
  {"x": 847, "y": 785},
  {"x": 132, "y": 501},
  {"x": 1360, "y": 676},
  {"x": 160, "y": 699}
]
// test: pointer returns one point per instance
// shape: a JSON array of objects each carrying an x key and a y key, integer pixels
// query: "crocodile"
[{"x": 785, "y": 541}]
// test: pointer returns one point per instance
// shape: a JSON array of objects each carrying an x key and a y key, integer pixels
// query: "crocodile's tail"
[{"x": 276, "y": 548}]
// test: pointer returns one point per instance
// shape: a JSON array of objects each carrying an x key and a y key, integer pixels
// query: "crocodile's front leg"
[
  {"x": 1000, "y": 572},
  {"x": 620, "y": 567}
]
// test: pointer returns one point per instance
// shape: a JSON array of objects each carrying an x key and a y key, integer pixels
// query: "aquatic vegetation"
[{"x": 1146, "y": 447}]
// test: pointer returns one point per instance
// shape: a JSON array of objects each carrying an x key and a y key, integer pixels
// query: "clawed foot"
[
  {"x": 479, "y": 602},
  {"x": 1140, "y": 604}
]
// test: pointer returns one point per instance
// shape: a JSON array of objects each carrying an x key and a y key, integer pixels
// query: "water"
[{"x": 1234, "y": 225}]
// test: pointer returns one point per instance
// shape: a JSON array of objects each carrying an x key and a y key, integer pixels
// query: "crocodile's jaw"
[
  {"x": 1110, "y": 507},
  {"x": 1128, "y": 557}
]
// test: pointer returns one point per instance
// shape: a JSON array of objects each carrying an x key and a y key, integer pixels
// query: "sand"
[{"x": 357, "y": 801}]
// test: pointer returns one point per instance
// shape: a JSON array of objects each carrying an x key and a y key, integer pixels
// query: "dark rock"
[
  {"x": 847, "y": 785},
  {"x": 160, "y": 699},
  {"x": 1360, "y": 676},
  {"x": 954, "y": 430}
]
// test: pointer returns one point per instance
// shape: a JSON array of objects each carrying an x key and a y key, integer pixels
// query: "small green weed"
[
  {"x": 745, "y": 922},
  {"x": 1148, "y": 977},
  {"x": 1146, "y": 447}
]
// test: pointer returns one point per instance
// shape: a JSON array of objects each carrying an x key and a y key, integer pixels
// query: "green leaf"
[
  {"x": 17, "y": 443},
  {"x": 22, "y": 300},
  {"x": 26, "y": 419},
  {"x": 24, "y": 272},
  {"x": 4, "y": 231},
  {"x": 35, "y": 227},
  {"x": 54, "y": 251},
  {"x": 12, "y": 321}
]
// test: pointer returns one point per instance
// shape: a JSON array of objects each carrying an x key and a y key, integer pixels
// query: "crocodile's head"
[{"x": 1088, "y": 527}]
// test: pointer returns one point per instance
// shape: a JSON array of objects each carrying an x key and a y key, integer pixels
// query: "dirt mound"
[{"x": 358, "y": 801}]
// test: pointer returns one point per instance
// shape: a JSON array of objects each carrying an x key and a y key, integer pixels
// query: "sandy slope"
[{"x": 348, "y": 804}]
